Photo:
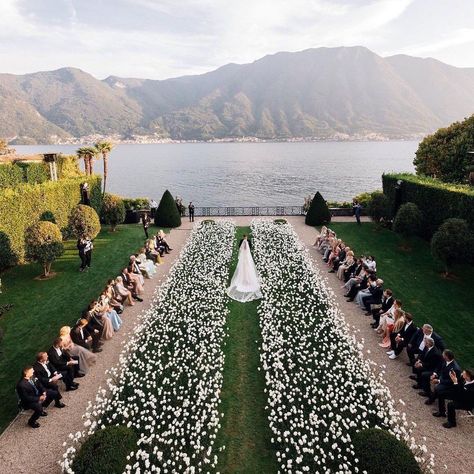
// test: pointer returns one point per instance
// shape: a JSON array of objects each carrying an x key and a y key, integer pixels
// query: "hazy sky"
[{"x": 165, "y": 38}]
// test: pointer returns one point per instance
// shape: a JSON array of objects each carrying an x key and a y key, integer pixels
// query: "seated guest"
[
  {"x": 85, "y": 357},
  {"x": 350, "y": 267},
  {"x": 341, "y": 257},
  {"x": 441, "y": 384},
  {"x": 360, "y": 282},
  {"x": 98, "y": 320},
  {"x": 388, "y": 317},
  {"x": 363, "y": 292},
  {"x": 322, "y": 235},
  {"x": 399, "y": 339},
  {"x": 355, "y": 271},
  {"x": 151, "y": 252},
  {"x": 115, "y": 301},
  {"x": 375, "y": 296},
  {"x": 417, "y": 343},
  {"x": 49, "y": 377},
  {"x": 62, "y": 361},
  {"x": 462, "y": 397},
  {"x": 428, "y": 361},
  {"x": 134, "y": 269},
  {"x": 82, "y": 337},
  {"x": 109, "y": 312},
  {"x": 123, "y": 292},
  {"x": 371, "y": 263},
  {"x": 132, "y": 283},
  {"x": 146, "y": 266},
  {"x": 164, "y": 242},
  {"x": 33, "y": 396},
  {"x": 159, "y": 246},
  {"x": 396, "y": 325},
  {"x": 386, "y": 304}
]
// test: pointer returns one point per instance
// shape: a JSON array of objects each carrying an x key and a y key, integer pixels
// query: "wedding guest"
[
  {"x": 132, "y": 283},
  {"x": 85, "y": 357},
  {"x": 417, "y": 343},
  {"x": 98, "y": 320},
  {"x": 386, "y": 304},
  {"x": 462, "y": 397},
  {"x": 428, "y": 361},
  {"x": 145, "y": 223},
  {"x": 85, "y": 246},
  {"x": 375, "y": 296},
  {"x": 134, "y": 269},
  {"x": 109, "y": 312},
  {"x": 357, "y": 210},
  {"x": 123, "y": 292},
  {"x": 62, "y": 361},
  {"x": 82, "y": 337},
  {"x": 33, "y": 396},
  {"x": 49, "y": 376},
  {"x": 153, "y": 207},
  {"x": 191, "y": 212},
  {"x": 390, "y": 325},
  {"x": 151, "y": 252},
  {"x": 163, "y": 241},
  {"x": 115, "y": 300},
  {"x": 146, "y": 266},
  {"x": 399, "y": 339}
]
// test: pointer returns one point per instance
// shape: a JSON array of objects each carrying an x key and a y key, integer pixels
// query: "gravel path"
[{"x": 24, "y": 450}]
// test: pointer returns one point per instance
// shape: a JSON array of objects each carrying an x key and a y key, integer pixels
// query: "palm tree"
[
  {"x": 105, "y": 148},
  {"x": 84, "y": 154}
]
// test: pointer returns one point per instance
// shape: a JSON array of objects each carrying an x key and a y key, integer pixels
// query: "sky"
[{"x": 158, "y": 39}]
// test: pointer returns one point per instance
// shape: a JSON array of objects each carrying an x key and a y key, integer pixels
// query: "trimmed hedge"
[
  {"x": 167, "y": 214},
  {"x": 318, "y": 212},
  {"x": 437, "y": 201},
  {"x": 380, "y": 452},
  {"x": 25, "y": 204},
  {"x": 105, "y": 451}
]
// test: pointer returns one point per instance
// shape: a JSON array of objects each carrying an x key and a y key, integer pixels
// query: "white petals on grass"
[
  {"x": 167, "y": 384},
  {"x": 320, "y": 390}
]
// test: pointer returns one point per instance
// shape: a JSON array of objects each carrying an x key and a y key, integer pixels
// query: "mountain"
[{"x": 323, "y": 92}]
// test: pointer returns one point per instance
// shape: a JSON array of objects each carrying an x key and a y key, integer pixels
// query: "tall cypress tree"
[
  {"x": 318, "y": 212},
  {"x": 167, "y": 214}
]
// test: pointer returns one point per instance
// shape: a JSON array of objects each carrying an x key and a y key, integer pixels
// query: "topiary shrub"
[
  {"x": 380, "y": 452},
  {"x": 409, "y": 220},
  {"x": 318, "y": 212},
  {"x": 105, "y": 451},
  {"x": 378, "y": 206},
  {"x": 453, "y": 243},
  {"x": 113, "y": 210},
  {"x": 11, "y": 175},
  {"x": 44, "y": 244},
  {"x": 84, "y": 222},
  {"x": 48, "y": 216},
  {"x": 167, "y": 214},
  {"x": 7, "y": 256}
]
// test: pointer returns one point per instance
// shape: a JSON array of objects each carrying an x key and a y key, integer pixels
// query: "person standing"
[
  {"x": 85, "y": 197},
  {"x": 85, "y": 246},
  {"x": 191, "y": 212},
  {"x": 153, "y": 207},
  {"x": 357, "y": 209},
  {"x": 146, "y": 223}
]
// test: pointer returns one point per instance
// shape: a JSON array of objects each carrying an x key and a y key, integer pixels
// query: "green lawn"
[
  {"x": 245, "y": 432},
  {"x": 417, "y": 280},
  {"x": 42, "y": 307}
]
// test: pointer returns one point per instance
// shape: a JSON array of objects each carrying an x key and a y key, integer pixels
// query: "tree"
[
  {"x": 113, "y": 210},
  {"x": 84, "y": 222},
  {"x": 4, "y": 150},
  {"x": 167, "y": 214},
  {"x": 318, "y": 212},
  {"x": 452, "y": 243},
  {"x": 105, "y": 148},
  {"x": 378, "y": 206},
  {"x": 44, "y": 244},
  {"x": 87, "y": 153},
  {"x": 408, "y": 220}
]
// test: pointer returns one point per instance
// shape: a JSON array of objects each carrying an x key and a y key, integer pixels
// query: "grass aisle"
[{"x": 245, "y": 432}]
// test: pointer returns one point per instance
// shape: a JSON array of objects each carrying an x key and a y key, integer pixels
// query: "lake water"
[{"x": 250, "y": 174}]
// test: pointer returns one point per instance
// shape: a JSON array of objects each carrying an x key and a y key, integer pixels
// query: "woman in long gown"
[
  {"x": 86, "y": 357},
  {"x": 146, "y": 266},
  {"x": 96, "y": 311},
  {"x": 109, "y": 312},
  {"x": 123, "y": 292},
  {"x": 245, "y": 284}
]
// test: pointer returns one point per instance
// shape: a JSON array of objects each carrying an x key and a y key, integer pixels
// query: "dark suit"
[
  {"x": 406, "y": 333},
  {"x": 445, "y": 386},
  {"x": 463, "y": 399},
  {"x": 413, "y": 347},
  {"x": 431, "y": 360},
  {"x": 43, "y": 377},
  {"x": 375, "y": 297},
  {"x": 81, "y": 338},
  {"x": 61, "y": 362},
  {"x": 386, "y": 305}
]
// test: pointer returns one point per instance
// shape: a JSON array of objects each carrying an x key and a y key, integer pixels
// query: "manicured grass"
[
  {"x": 417, "y": 280},
  {"x": 42, "y": 307},
  {"x": 245, "y": 432}
]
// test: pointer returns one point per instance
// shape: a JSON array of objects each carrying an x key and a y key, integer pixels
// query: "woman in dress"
[
  {"x": 97, "y": 311},
  {"x": 391, "y": 324},
  {"x": 86, "y": 357},
  {"x": 114, "y": 300},
  {"x": 145, "y": 265},
  {"x": 123, "y": 292},
  {"x": 345, "y": 265},
  {"x": 109, "y": 312},
  {"x": 152, "y": 253}
]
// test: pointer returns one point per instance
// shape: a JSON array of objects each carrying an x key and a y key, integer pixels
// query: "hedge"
[
  {"x": 25, "y": 204},
  {"x": 436, "y": 200}
]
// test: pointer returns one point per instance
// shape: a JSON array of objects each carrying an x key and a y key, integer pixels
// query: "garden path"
[{"x": 24, "y": 450}]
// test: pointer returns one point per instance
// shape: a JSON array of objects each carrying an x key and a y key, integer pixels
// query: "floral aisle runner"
[
  {"x": 168, "y": 382},
  {"x": 319, "y": 388}
]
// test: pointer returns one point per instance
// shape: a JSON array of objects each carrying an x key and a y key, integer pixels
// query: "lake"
[{"x": 249, "y": 174}]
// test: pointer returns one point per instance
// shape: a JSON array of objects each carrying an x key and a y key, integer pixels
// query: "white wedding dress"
[{"x": 245, "y": 285}]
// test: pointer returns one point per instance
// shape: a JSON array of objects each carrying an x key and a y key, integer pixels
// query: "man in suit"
[
  {"x": 191, "y": 212},
  {"x": 62, "y": 360},
  {"x": 33, "y": 396},
  {"x": 417, "y": 343},
  {"x": 81, "y": 336},
  {"x": 375, "y": 297},
  {"x": 463, "y": 397},
  {"x": 387, "y": 301},
  {"x": 399, "y": 340},
  {"x": 428, "y": 361},
  {"x": 48, "y": 376}
]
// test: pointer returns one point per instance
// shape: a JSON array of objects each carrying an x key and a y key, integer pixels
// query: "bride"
[{"x": 245, "y": 285}]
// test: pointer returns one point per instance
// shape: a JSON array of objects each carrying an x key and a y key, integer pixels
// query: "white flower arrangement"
[
  {"x": 319, "y": 387},
  {"x": 168, "y": 381}
]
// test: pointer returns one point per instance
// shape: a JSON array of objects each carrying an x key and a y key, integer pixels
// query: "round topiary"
[
  {"x": 318, "y": 212},
  {"x": 378, "y": 206},
  {"x": 167, "y": 214},
  {"x": 409, "y": 220},
  {"x": 380, "y": 452},
  {"x": 113, "y": 210},
  {"x": 44, "y": 244},
  {"x": 84, "y": 222},
  {"x": 105, "y": 451}
]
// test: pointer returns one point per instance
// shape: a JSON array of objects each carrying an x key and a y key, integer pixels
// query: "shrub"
[
  {"x": 10, "y": 175},
  {"x": 364, "y": 198},
  {"x": 105, "y": 451},
  {"x": 84, "y": 222},
  {"x": 36, "y": 173},
  {"x": 380, "y": 452},
  {"x": 48, "y": 216},
  {"x": 44, "y": 244},
  {"x": 167, "y": 214},
  {"x": 68, "y": 166},
  {"x": 378, "y": 206},
  {"x": 408, "y": 220},
  {"x": 318, "y": 212},
  {"x": 453, "y": 243},
  {"x": 7, "y": 257},
  {"x": 113, "y": 210},
  {"x": 136, "y": 204}
]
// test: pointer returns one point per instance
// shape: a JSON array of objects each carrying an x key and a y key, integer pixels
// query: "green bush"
[
  {"x": 318, "y": 212},
  {"x": 36, "y": 173},
  {"x": 167, "y": 214},
  {"x": 453, "y": 243},
  {"x": 380, "y": 452},
  {"x": 105, "y": 451},
  {"x": 84, "y": 222},
  {"x": 136, "y": 204},
  {"x": 113, "y": 210},
  {"x": 24, "y": 204},
  {"x": 48, "y": 216},
  {"x": 68, "y": 166},
  {"x": 43, "y": 241},
  {"x": 378, "y": 207},
  {"x": 10, "y": 175},
  {"x": 409, "y": 220},
  {"x": 7, "y": 256},
  {"x": 437, "y": 201}
]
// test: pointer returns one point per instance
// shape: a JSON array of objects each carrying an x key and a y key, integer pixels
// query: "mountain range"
[{"x": 317, "y": 93}]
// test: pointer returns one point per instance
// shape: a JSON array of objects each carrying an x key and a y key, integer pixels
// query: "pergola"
[{"x": 49, "y": 158}]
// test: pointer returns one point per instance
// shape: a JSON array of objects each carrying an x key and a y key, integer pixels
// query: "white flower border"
[
  {"x": 319, "y": 386},
  {"x": 168, "y": 380}
]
